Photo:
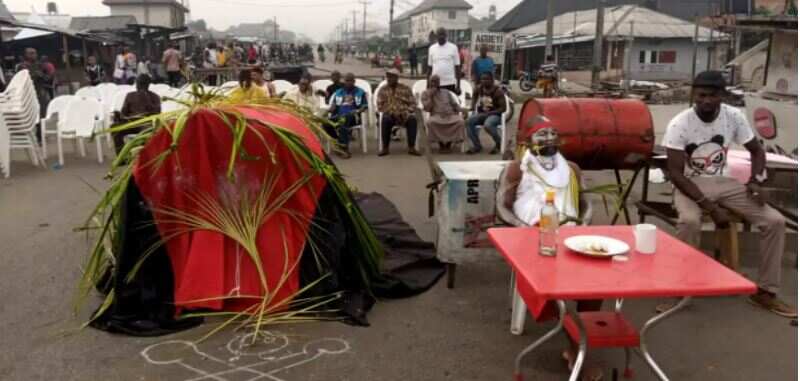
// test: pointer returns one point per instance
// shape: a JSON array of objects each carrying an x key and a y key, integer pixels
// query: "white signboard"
[{"x": 495, "y": 43}]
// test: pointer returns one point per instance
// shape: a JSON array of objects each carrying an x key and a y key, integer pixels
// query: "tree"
[{"x": 197, "y": 25}]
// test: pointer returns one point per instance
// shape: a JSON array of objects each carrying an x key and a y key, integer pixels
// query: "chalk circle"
[
  {"x": 327, "y": 346},
  {"x": 266, "y": 344},
  {"x": 168, "y": 352}
]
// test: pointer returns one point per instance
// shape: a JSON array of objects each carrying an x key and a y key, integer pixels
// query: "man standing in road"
[
  {"x": 444, "y": 61},
  {"x": 697, "y": 142},
  {"x": 547, "y": 77},
  {"x": 412, "y": 60},
  {"x": 482, "y": 64},
  {"x": 39, "y": 76},
  {"x": 172, "y": 64}
]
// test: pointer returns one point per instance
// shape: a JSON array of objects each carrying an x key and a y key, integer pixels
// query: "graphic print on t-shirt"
[
  {"x": 707, "y": 158},
  {"x": 485, "y": 103}
]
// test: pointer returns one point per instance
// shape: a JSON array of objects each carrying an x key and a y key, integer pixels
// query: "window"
[
  {"x": 667, "y": 56},
  {"x": 451, "y": 15},
  {"x": 657, "y": 56}
]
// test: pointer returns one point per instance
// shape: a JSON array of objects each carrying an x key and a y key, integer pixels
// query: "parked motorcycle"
[{"x": 526, "y": 81}]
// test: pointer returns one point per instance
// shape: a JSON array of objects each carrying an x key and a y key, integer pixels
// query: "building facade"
[{"x": 163, "y": 13}]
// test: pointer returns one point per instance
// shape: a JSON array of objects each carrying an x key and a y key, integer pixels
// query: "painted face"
[{"x": 544, "y": 146}]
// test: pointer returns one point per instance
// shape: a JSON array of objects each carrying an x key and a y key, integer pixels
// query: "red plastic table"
[{"x": 675, "y": 270}]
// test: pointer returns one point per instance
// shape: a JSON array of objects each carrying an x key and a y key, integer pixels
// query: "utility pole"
[
  {"x": 354, "y": 26},
  {"x": 694, "y": 52},
  {"x": 548, "y": 49},
  {"x": 364, "y": 21},
  {"x": 391, "y": 18},
  {"x": 275, "y": 29},
  {"x": 597, "y": 60},
  {"x": 628, "y": 65}
]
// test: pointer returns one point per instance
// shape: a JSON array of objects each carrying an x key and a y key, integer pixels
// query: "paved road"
[{"x": 458, "y": 334}]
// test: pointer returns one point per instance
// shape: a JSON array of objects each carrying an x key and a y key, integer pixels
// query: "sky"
[{"x": 314, "y": 18}]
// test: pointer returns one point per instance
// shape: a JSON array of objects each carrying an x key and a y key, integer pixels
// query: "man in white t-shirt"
[
  {"x": 445, "y": 62},
  {"x": 697, "y": 142}
]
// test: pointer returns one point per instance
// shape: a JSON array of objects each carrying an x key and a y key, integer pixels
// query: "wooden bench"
[{"x": 727, "y": 240}]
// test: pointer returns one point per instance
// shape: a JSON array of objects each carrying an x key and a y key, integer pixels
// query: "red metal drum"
[{"x": 596, "y": 133}]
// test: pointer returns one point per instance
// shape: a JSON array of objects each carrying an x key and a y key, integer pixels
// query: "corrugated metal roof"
[
  {"x": 101, "y": 22},
  {"x": 647, "y": 23},
  {"x": 428, "y": 5},
  {"x": 142, "y": 2}
]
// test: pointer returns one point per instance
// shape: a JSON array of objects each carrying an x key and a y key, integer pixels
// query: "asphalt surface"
[{"x": 443, "y": 334}]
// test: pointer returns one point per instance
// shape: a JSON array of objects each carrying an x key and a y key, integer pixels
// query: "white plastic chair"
[
  {"x": 88, "y": 92},
  {"x": 364, "y": 85},
  {"x": 170, "y": 105},
  {"x": 282, "y": 86},
  {"x": 322, "y": 85},
  {"x": 55, "y": 109},
  {"x": 466, "y": 89},
  {"x": 82, "y": 118},
  {"x": 419, "y": 87},
  {"x": 160, "y": 89},
  {"x": 5, "y": 149},
  {"x": 20, "y": 110}
]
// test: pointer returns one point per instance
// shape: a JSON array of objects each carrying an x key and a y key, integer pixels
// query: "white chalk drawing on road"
[{"x": 266, "y": 358}]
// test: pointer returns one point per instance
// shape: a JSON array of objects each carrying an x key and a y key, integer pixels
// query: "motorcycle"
[{"x": 526, "y": 81}]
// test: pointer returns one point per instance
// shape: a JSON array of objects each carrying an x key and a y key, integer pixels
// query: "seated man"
[
  {"x": 303, "y": 95},
  {"x": 488, "y": 105},
  {"x": 347, "y": 104},
  {"x": 543, "y": 167},
  {"x": 396, "y": 102},
  {"x": 445, "y": 123},
  {"x": 336, "y": 79},
  {"x": 138, "y": 104},
  {"x": 697, "y": 142}
]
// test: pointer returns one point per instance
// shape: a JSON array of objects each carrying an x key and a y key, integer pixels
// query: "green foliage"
[{"x": 239, "y": 220}]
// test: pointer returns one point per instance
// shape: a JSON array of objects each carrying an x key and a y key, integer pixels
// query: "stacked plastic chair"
[{"x": 19, "y": 108}]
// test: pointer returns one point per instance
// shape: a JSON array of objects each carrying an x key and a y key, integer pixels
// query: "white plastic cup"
[{"x": 645, "y": 235}]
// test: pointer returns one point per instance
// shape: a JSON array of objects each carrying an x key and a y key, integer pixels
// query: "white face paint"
[{"x": 546, "y": 143}]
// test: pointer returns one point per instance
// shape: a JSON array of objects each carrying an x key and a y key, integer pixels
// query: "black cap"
[{"x": 711, "y": 78}]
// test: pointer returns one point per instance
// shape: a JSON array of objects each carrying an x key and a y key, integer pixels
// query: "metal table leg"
[
  {"x": 547, "y": 336},
  {"x": 582, "y": 344},
  {"x": 451, "y": 275},
  {"x": 643, "y": 351}
]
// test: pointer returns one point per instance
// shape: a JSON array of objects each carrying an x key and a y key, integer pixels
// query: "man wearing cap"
[
  {"x": 396, "y": 103},
  {"x": 697, "y": 142}
]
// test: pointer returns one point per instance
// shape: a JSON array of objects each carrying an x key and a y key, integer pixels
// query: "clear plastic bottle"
[{"x": 548, "y": 225}]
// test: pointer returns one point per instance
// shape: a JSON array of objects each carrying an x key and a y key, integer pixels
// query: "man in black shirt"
[
  {"x": 94, "y": 72},
  {"x": 336, "y": 78},
  {"x": 138, "y": 104}
]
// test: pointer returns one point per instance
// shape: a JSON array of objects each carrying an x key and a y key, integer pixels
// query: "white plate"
[{"x": 582, "y": 244}]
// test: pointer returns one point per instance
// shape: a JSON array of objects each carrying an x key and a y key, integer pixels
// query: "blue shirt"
[
  {"x": 482, "y": 65},
  {"x": 346, "y": 101}
]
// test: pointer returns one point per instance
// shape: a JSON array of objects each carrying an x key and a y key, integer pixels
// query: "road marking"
[{"x": 268, "y": 356}]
